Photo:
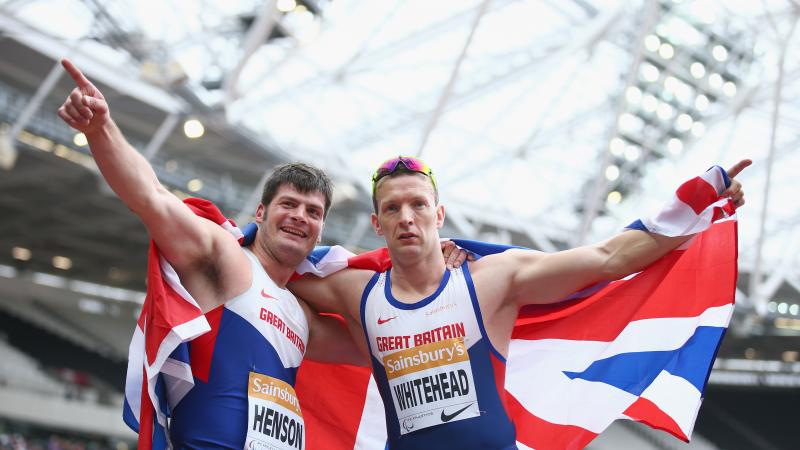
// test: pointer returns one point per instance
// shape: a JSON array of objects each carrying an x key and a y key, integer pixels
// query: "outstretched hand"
[
  {"x": 734, "y": 191},
  {"x": 85, "y": 109}
]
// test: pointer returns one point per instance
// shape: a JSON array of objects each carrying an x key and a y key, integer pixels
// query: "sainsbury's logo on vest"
[{"x": 425, "y": 357}]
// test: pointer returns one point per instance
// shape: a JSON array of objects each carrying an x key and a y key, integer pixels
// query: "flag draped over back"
[
  {"x": 640, "y": 348},
  {"x": 158, "y": 373}
]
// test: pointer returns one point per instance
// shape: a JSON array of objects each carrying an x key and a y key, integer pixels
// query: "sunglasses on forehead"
[{"x": 410, "y": 163}]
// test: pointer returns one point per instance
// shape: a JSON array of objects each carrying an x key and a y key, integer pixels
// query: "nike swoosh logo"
[
  {"x": 381, "y": 321},
  {"x": 449, "y": 417},
  {"x": 265, "y": 295}
]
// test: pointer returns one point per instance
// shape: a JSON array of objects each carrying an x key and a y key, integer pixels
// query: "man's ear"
[
  {"x": 376, "y": 225},
  {"x": 261, "y": 213},
  {"x": 319, "y": 236},
  {"x": 439, "y": 215}
]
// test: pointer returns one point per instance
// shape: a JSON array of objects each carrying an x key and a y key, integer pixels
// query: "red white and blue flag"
[
  {"x": 158, "y": 373},
  {"x": 640, "y": 348}
]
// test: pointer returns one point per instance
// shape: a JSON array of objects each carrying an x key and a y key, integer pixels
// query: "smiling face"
[
  {"x": 291, "y": 224},
  {"x": 408, "y": 216}
]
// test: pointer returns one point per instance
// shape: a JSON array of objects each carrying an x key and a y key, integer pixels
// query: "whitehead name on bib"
[
  {"x": 431, "y": 384},
  {"x": 274, "y": 419}
]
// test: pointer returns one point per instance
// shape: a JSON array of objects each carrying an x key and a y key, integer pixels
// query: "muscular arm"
[
  {"x": 545, "y": 278},
  {"x": 524, "y": 277},
  {"x": 339, "y": 293},
  {"x": 181, "y": 236}
]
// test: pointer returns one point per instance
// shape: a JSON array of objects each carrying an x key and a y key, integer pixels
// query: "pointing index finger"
[
  {"x": 76, "y": 75},
  {"x": 738, "y": 167}
]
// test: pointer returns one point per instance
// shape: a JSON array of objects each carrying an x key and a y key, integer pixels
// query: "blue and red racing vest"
[
  {"x": 441, "y": 380},
  {"x": 244, "y": 371}
]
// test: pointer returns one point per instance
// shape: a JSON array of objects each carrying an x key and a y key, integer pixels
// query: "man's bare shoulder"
[
  {"x": 508, "y": 261},
  {"x": 348, "y": 273},
  {"x": 339, "y": 292},
  {"x": 497, "y": 278}
]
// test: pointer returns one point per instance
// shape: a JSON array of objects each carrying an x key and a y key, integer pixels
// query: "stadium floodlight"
[
  {"x": 715, "y": 81},
  {"x": 80, "y": 140},
  {"x": 614, "y": 197},
  {"x": 649, "y": 103},
  {"x": 649, "y": 72},
  {"x": 62, "y": 262},
  {"x": 21, "y": 253},
  {"x": 633, "y": 94},
  {"x": 612, "y": 172},
  {"x": 729, "y": 88},
  {"x": 617, "y": 146},
  {"x": 675, "y": 146},
  {"x": 665, "y": 111},
  {"x": 684, "y": 123},
  {"x": 720, "y": 53},
  {"x": 652, "y": 42},
  {"x": 632, "y": 152},
  {"x": 193, "y": 129},
  {"x": 689, "y": 67},
  {"x": 286, "y": 5},
  {"x": 698, "y": 70},
  {"x": 8, "y": 154},
  {"x": 666, "y": 51},
  {"x": 194, "y": 185},
  {"x": 701, "y": 103}
]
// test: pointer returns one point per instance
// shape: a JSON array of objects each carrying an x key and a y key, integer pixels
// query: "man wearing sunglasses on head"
[{"x": 437, "y": 338}]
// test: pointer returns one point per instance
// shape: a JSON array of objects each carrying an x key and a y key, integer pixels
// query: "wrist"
[
  {"x": 724, "y": 181},
  {"x": 103, "y": 130},
  {"x": 692, "y": 208}
]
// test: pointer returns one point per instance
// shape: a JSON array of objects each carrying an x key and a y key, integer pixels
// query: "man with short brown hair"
[{"x": 438, "y": 338}]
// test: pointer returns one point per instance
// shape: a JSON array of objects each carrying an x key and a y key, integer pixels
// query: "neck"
[
  {"x": 279, "y": 272},
  {"x": 418, "y": 275}
]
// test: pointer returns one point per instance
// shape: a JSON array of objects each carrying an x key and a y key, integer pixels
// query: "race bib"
[
  {"x": 274, "y": 419},
  {"x": 431, "y": 384}
]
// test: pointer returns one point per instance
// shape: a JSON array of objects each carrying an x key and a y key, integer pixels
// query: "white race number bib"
[
  {"x": 431, "y": 384},
  {"x": 274, "y": 419}
]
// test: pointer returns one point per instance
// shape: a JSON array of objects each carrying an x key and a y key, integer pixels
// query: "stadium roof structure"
[{"x": 549, "y": 124}]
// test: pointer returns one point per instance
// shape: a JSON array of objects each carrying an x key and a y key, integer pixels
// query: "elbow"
[{"x": 147, "y": 202}]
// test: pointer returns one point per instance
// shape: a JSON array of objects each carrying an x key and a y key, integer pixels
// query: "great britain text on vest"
[
  {"x": 398, "y": 342},
  {"x": 273, "y": 319}
]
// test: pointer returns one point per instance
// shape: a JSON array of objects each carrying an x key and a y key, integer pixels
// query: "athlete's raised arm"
[
  {"x": 182, "y": 237},
  {"x": 534, "y": 277}
]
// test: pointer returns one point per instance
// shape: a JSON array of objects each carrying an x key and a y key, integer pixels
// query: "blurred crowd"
[{"x": 22, "y": 437}]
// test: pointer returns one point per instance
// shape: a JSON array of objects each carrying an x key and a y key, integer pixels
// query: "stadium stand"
[
  {"x": 21, "y": 371},
  {"x": 20, "y": 436},
  {"x": 56, "y": 352}
]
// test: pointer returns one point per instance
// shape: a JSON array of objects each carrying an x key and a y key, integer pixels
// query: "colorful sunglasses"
[{"x": 410, "y": 163}]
